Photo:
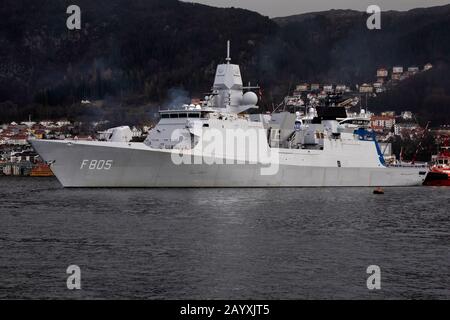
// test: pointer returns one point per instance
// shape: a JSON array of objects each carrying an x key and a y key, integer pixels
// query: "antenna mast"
[{"x": 228, "y": 52}]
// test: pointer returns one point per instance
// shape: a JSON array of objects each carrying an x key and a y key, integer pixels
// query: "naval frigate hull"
[{"x": 79, "y": 165}]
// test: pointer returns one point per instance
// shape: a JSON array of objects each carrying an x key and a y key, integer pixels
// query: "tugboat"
[{"x": 439, "y": 174}]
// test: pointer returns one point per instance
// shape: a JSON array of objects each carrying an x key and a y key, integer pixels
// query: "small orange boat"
[
  {"x": 439, "y": 174},
  {"x": 41, "y": 170}
]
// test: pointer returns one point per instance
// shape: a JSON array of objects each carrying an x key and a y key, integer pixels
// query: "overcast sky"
[{"x": 277, "y": 8}]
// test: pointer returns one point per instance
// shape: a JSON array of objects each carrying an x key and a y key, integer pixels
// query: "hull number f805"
[{"x": 96, "y": 164}]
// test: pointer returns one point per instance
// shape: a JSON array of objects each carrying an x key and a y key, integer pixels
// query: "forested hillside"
[{"x": 130, "y": 54}]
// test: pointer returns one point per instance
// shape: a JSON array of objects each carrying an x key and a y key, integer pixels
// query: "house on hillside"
[
  {"x": 427, "y": 67},
  {"x": 366, "y": 88},
  {"x": 18, "y": 139},
  {"x": 382, "y": 123},
  {"x": 406, "y": 128}
]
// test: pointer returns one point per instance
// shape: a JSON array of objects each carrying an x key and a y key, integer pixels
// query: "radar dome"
[{"x": 249, "y": 99}]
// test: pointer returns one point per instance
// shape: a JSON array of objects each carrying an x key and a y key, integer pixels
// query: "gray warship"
[{"x": 217, "y": 143}]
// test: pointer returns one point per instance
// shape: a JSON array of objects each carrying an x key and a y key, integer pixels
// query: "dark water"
[{"x": 222, "y": 243}]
